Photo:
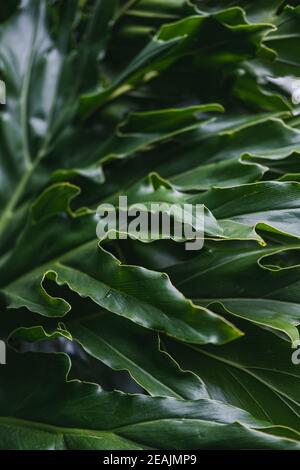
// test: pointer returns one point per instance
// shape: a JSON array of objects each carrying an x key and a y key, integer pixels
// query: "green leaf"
[
  {"x": 247, "y": 283},
  {"x": 91, "y": 271},
  {"x": 260, "y": 206},
  {"x": 42, "y": 97},
  {"x": 261, "y": 11},
  {"x": 266, "y": 140},
  {"x": 121, "y": 345},
  {"x": 226, "y": 218},
  {"x": 256, "y": 374},
  {"x": 110, "y": 98},
  {"x": 105, "y": 421},
  {"x": 192, "y": 35}
]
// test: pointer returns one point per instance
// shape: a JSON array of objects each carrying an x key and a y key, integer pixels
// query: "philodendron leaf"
[
  {"x": 261, "y": 12},
  {"x": 272, "y": 82},
  {"x": 214, "y": 149},
  {"x": 223, "y": 174},
  {"x": 39, "y": 70},
  {"x": 235, "y": 212},
  {"x": 94, "y": 273},
  {"x": 256, "y": 374},
  {"x": 81, "y": 263},
  {"x": 284, "y": 41},
  {"x": 120, "y": 345},
  {"x": 174, "y": 41},
  {"x": 247, "y": 283},
  {"x": 182, "y": 104},
  {"x": 255, "y": 206},
  {"x": 141, "y": 130},
  {"x": 82, "y": 270},
  {"x": 41, "y": 413}
]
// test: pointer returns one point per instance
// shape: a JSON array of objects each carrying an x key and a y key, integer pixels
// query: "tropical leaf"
[
  {"x": 257, "y": 374},
  {"x": 92, "y": 272},
  {"x": 121, "y": 345},
  {"x": 175, "y": 105},
  {"x": 105, "y": 420},
  {"x": 250, "y": 284}
]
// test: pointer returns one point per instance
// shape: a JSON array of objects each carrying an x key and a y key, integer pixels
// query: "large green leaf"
[
  {"x": 260, "y": 205},
  {"x": 256, "y": 374},
  {"x": 216, "y": 149},
  {"x": 192, "y": 35},
  {"x": 41, "y": 415},
  {"x": 120, "y": 345},
  {"x": 124, "y": 346},
  {"x": 237, "y": 212},
  {"x": 108, "y": 98},
  {"x": 267, "y": 83},
  {"x": 43, "y": 95},
  {"x": 261, "y": 11},
  {"x": 86, "y": 268},
  {"x": 247, "y": 283}
]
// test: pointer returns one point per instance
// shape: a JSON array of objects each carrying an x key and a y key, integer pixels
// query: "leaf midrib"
[
  {"x": 53, "y": 429},
  {"x": 247, "y": 370},
  {"x": 224, "y": 263},
  {"x": 30, "y": 163}
]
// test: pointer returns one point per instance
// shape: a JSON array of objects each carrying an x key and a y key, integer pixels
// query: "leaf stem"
[{"x": 9, "y": 209}]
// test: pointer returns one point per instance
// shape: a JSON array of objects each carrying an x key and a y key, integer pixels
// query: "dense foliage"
[{"x": 160, "y": 100}]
